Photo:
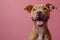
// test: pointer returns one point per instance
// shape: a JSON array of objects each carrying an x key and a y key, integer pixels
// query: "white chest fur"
[{"x": 41, "y": 30}]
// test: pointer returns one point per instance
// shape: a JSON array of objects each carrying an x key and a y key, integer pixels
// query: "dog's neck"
[
  {"x": 37, "y": 27},
  {"x": 40, "y": 30}
]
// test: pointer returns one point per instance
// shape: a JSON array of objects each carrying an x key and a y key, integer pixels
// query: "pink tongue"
[{"x": 39, "y": 22}]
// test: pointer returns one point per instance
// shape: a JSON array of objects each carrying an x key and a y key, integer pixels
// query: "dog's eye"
[
  {"x": 44, "y": 8},
  {"x": 34, "y": 9}
]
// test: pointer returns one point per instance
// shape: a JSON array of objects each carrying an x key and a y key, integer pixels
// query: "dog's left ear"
[
  {"x": 28, "y": 8},
  {"x": 50, "y": 6}
]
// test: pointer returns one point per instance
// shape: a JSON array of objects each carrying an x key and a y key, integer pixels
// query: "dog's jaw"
[{"x": 40, "y": 23}]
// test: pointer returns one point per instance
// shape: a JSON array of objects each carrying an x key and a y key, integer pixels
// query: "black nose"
[{"x": 39, "y": 13}]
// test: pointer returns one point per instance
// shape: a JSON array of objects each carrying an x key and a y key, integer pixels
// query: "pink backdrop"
[{"x": 16, "y": 24}]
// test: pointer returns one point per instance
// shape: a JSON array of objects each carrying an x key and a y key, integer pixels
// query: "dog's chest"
[{"x": 40, "y": 33}]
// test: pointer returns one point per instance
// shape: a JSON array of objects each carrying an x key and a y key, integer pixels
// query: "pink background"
[{"x": 16, "y": 24}]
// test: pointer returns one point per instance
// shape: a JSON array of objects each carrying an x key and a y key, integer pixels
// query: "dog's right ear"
[
  {"x": 50, "y": 6},
  {"x": 28, "y": 8}
]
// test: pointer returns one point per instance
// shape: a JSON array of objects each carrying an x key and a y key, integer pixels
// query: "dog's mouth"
[{"x": 41, "y": 21}]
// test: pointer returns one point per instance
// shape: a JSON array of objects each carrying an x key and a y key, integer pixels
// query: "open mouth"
[{"x": 41, "y": 21}]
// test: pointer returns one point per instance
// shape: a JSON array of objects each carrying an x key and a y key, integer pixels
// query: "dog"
[{"x": 40, "y": 15}]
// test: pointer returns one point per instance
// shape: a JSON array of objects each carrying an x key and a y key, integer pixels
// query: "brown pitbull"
[{"x": 40, "y": 15}]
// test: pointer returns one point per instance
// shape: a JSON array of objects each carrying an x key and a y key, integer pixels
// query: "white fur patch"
[{"x": 41, "y": 30}]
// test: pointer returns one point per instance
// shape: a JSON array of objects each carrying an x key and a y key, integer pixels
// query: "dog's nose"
[{"x": 39, "y": 13}]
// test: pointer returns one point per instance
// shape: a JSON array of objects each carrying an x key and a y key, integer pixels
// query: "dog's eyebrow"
[{"x": 39, "y": 6}]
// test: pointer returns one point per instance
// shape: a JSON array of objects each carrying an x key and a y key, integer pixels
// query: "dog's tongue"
[{"x": 39, "y": 22}]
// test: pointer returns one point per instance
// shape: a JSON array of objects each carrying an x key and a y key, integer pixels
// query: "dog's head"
[{"x": 40, "y": 13}]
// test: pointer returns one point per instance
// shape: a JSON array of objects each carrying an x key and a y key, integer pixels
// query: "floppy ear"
[
  {"x": 28, "y": 8},
  {"x": 50, "y": 6}
]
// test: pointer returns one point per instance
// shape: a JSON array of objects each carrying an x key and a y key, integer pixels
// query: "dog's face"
[{"x": 40, "y": 13}]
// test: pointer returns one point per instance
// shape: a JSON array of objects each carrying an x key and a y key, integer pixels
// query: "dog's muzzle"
[{"x": 41, "y": 18}]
